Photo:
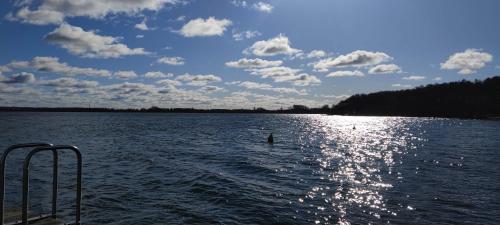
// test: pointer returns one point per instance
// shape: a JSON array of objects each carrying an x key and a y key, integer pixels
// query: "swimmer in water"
[{"x": 270, "y": 139}]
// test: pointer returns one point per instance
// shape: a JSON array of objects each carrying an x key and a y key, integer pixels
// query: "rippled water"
[{"x": 218, "y": 169}]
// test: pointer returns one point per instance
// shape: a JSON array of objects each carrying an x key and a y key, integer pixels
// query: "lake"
[{"x": 218, "y": 168}]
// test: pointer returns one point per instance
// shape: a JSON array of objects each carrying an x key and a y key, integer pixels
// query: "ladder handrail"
[
  {"x": 55, "y": 148},
  {"x": 3, "y": 160}
]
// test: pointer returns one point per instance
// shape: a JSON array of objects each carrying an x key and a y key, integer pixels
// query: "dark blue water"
[{"x": 218, "y": 168}]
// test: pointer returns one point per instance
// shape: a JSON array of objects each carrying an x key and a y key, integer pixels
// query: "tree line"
[{"x": 462, "y": 99}]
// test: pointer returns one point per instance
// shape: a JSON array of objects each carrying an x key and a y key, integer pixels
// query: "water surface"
[{"x": 218, "y": 168}]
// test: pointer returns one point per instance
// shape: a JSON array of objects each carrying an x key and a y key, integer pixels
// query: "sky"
[{"x": 237, "y": 53}]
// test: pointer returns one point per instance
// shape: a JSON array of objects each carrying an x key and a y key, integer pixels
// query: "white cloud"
[
  {"x": 467, "y": 62},
  {"x": 53, "y": 65},
  {"x": 385, "y": 69},
  {"x": 415, "y": 78},
  {"x": 89, "y": 44},
  {"x": 286, "y": 74},
  {"x": 68, "y": 82},
  {"x": 302, "y": 79},
  {"x": 168, "y": 86},
  {"x": 157, "y": 74},
  {"x": 335, "y": 96},
  {"x": 438, "y": 78},
  {"x": 268, "y": 87},
  {"x": 239, "y": 3},
  {"x": 13, "y": 90},
  {"x": 239, "y": 36},
  {"x": 254, "y": 85},
  {"x": 55, "y": 11},
  {"x": 129, "y": 90},
  {"x": 125, "y": 74},
  {"x": 271, "y": 47},
  {"x": 274, "y": 72},
  {"x": 346, "y": 73},
  {"x": 205, "y": 27},
  {"x": 139, "y": 36},
  {"x": 198, "y": 80},
  {"x": 142, "y": 25},
  {"x": 401, "y": 85},
  {"x": 174, "y": 61},
  {"x": 263, "y": 7},
  {"x": 211, "y": 89},
  {"x": 168, "y": 82},
  {"x": 38, "y": 17},
  {"x": 357, "y": 58},
  {"x": 316, "y": 54},
  {"x": 18, "y": 78},
  {"x": 253, "y": 63}
]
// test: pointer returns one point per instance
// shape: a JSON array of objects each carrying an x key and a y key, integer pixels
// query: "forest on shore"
[{"x": 463, "y": 99}]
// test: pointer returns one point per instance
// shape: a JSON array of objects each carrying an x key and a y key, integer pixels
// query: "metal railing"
[{"x": 40, "y": 147}]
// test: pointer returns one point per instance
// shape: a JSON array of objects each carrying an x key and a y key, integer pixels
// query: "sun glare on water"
[{"x": 357, "y": 161}]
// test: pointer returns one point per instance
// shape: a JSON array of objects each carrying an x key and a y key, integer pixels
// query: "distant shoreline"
[
  {"x": 461, "y": 100},
  {"x": 293, "y": 110},
  {"x": 218, "y": 111}
]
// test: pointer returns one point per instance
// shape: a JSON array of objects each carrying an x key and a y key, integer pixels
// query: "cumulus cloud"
[
  {"x": 211, "y": 89},
  {"x": 205, "y": 27},
  {"x": 55, "y": 11},
  {"x": 359, "y": 58},
  {"x": 253, "y": 63},
  {"x": 346, "y": 73},
  {"x": 415, "y": 78},
  {"x": 53, "y": 65},
  {"x": 239, "y": 36},
  {"x": 168, "y": 82},
  {"x": 125, "y": 74},
  {"x": 125, "y": 90},
  {"x": 142, "y": 25},
  {"x": 279, "y": 45},
  {"x": 467, "y": 62},
  {"x": 157, "y": 74},
  {"x": 174, "y": 61},
  {"x": 286, "y": 74},
  {"x": 302, "y": 79},
  {"x": 68, "y": 82},
  {"x": 38, "y": 17},
  {"x": 13, "y": 90},
  {"x": 168, "y": 86},
  {"x": 385, "y": 69},
  {"x": 274, "y": 72},
  {"x": 254, "y": 85},
  {"x": 88, "y": 44},
  {"x": 263, "y": 7},
  {"x": 268, "y": 87},
  {"x": 198, "y": 80},
  {"x": 316, "y": 54},
  {"x": 18, "y": 78}
]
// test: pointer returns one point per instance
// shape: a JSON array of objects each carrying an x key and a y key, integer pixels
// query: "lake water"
[{"x": 218, "y": 168}]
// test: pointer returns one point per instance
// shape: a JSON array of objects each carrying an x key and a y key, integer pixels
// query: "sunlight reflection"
[{"x": 357, "y": 153}]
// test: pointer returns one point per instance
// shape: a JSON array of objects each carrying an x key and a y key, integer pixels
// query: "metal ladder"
[{"x": 36, "y": 148}]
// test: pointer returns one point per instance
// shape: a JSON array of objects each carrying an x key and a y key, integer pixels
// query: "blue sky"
[{"x": 235, "y": 53}]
